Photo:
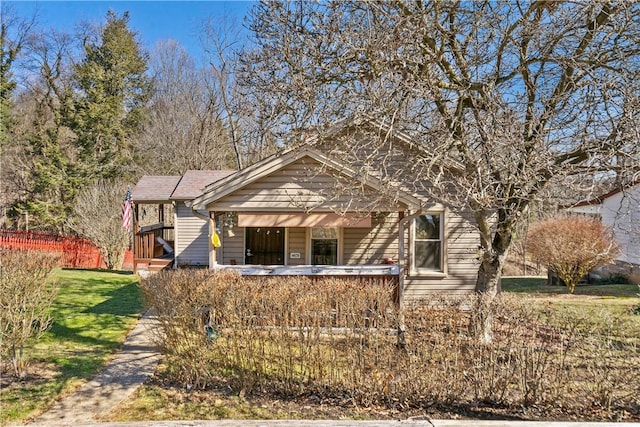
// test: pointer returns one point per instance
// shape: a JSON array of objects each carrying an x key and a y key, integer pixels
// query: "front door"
[{"x": 264, "y": 246}]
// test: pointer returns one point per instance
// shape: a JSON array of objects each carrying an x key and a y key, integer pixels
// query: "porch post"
[
  {"x": 135, "y": 245},
  {"x": 212, "y": 250},
  {"x": 401, "y": 261}
]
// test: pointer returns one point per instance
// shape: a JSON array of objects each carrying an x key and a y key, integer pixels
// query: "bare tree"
[
  {"x": 185, "y": 129},
  {"x": 502, "y": 99},
  {"x": 248, "y": 120},
  {"x": 97, "y": 216},
  {"x": 572, "y": 246}
]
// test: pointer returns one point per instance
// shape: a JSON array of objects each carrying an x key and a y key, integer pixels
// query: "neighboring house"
[
  {"x": 304, "y": 211},
  {"x": 620, "y": 210}
]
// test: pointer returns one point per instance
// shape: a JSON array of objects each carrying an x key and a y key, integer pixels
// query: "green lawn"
[
  {"x": 598, "y": 303},
  {"x": 538, "y": 285},
  {"x": 92, "y": 315}
]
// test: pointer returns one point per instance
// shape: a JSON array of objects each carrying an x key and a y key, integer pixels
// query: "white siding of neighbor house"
[
  {"x": 621, "y": 211},
  {"x": 192, "y": 237}
]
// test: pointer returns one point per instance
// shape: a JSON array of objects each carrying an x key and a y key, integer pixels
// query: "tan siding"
[
  {"x": 300, "y": 185},
  {"x": 372, "y": 246},
  {"x": 233, "y": 246},
  {"x": 297, "y": 243},
  {"x": 462, "y": 262},
  {"x": 192, "y": 243}
]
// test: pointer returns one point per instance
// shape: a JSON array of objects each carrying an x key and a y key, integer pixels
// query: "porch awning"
[{"x": 303, "y": 220}]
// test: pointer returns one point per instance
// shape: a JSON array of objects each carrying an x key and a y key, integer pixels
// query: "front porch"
[
  {"x": 367, "y": 275},
  {"x": 153, "y": 247}
]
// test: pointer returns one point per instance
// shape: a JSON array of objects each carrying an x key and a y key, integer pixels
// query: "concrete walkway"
[{"x": 128, "y": 370}]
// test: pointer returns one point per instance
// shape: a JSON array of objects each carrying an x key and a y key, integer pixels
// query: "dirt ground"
[{"x": 220, "y": 403}]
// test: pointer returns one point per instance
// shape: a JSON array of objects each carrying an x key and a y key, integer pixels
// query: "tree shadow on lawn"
[
  {"x": 123, "y": 301},
  {"x": 60, "y": 332},
  {"x": 100, "y": 270}
]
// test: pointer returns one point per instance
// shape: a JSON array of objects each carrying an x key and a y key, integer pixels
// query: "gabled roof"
[
  {"x": 154, "y": 189},
  {"x": 600, "y": 199},
  {"x": 384, "y": 127},
  {"x": 194, "y": 181},
  {"x": 278, "y": 161}
]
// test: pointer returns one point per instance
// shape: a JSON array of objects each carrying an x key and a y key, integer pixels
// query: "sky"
[{"x": 153, "y": 20}]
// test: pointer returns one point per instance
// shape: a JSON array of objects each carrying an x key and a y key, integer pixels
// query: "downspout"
[
  {"x": 401, "y": 343},
  {"x": 176, "y": 235}
]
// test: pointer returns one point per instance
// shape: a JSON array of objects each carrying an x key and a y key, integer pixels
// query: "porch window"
[
  {"x": 324, "y": 245},
  {"x": 428, "y": 242}
]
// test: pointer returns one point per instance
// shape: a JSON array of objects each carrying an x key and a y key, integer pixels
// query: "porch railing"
[{"x": 146, "y": 245}]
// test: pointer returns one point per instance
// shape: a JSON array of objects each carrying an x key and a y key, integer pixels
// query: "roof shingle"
[
  {"x": 154, "y": 189},
  {"x": 194, "y": 181}
]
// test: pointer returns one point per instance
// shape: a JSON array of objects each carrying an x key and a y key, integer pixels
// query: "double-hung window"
[
  {"x": 324, "y": 246},
  {"x": 428, "y": 242}
]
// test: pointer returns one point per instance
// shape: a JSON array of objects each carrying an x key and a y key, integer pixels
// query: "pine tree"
[{"x": 113, "y": 90}]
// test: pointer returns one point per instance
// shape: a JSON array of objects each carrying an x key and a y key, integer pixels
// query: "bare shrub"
[
  {"x": 287, "y": 330},
  {"x": 572, "y": 246},
  {"x": 26, "y": 295},
  {"x": 336, "y": 338},
  {"x": 97, "y": 216}
]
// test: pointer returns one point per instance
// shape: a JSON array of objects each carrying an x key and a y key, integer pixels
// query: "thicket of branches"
[
  {"x": 336, "y": 340},
  {"x": 97, "y": 216},
  {"x": 505, "y": 102},
  {"x": 91, "y": 105}
]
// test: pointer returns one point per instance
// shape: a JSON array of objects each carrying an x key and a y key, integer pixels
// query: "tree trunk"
[
  {"x": 487, "y": 288},
  {"x": 489, "y": 274}
]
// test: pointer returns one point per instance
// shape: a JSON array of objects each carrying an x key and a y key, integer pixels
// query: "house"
[
  {"x": 620, "y": 210},
  {"x": 307, "y": 211}
]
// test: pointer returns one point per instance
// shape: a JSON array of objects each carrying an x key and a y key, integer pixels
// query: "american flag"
[{"x": 126, "y": 210}]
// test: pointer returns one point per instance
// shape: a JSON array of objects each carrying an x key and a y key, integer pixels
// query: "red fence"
[{"x": 76, "y": 252}]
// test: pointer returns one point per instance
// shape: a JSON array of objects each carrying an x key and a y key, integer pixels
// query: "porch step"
[
  {"x": 160, "y": 264},
  {"x": 151, "y": 265}
]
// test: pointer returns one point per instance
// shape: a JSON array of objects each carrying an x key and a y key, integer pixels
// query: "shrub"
[
  {"x": 571, "y": 246},
  {"x": 97, "y": 216},
  {"x": 287, "y": 329},
  {"x": 25, "y": 298},
  {"x": 337, "y": 339}
]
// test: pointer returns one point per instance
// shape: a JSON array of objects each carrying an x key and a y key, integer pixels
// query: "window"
[
  {"x": 427, "y": 242},
  {"x": 324, "y": 246}
]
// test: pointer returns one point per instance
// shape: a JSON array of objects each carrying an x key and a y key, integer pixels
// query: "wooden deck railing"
[{"x": 146, "y": 245}]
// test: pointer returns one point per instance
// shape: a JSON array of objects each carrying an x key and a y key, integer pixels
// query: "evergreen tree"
[
  {"x": 113, "y": 90},
  {"x": 13, "y": 36},
  {"x": 86, "y": 116}
]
